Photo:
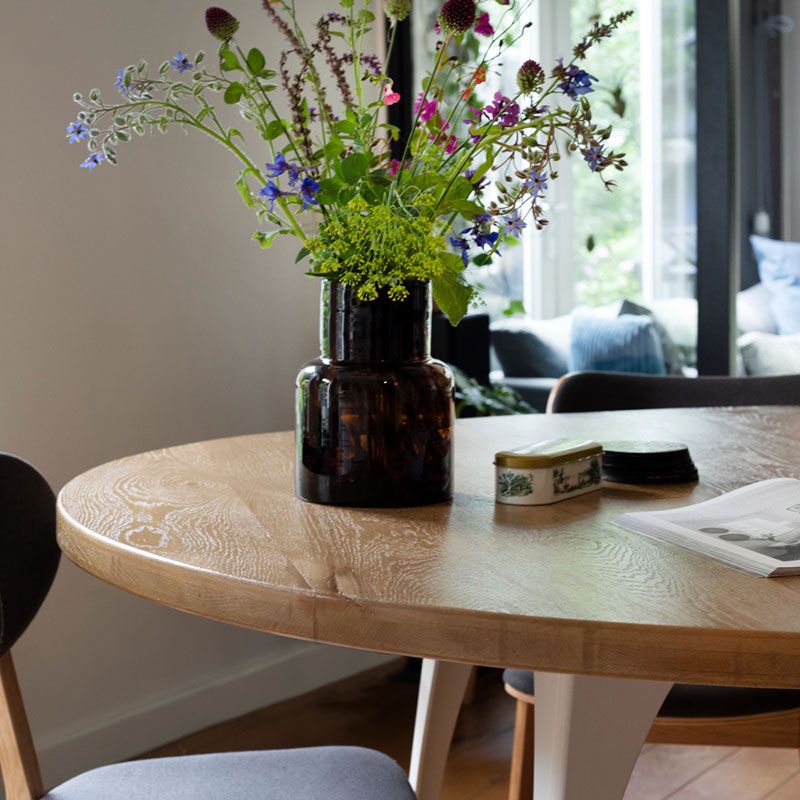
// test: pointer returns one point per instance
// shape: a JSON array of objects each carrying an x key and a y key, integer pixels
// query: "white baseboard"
[{"x": 138, "y": 728}]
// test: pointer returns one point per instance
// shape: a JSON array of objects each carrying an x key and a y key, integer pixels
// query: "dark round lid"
[
  {"x": 633, "y": 449},
  {"x": 647, "y": 462}
]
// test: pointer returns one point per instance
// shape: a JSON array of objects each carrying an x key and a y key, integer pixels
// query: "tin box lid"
[{"x": 549, "y": 453}]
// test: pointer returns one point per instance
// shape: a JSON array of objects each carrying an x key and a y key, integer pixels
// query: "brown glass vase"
[{"x": 375, "y": 412}]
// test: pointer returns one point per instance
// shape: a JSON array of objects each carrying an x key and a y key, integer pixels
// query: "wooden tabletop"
[{"x": 214, "y": 528}]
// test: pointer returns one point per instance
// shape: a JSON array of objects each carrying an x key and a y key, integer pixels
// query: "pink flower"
[
  {"x": 483, "y": 26},
  {"x": 394, "y": 167},
  {"x": 390, "y": 97},
  {"x": 451, "y": 146}
]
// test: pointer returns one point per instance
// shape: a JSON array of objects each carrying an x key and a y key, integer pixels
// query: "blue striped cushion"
[{"x": 622, "y": 344}]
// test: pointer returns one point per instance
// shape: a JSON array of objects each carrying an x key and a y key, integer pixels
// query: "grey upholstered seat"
[
  {"x": 29, "y": 558},
  {"x": 320, "y": 773}
]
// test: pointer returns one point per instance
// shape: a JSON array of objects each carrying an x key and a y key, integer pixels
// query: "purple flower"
[
  {"x": 477, "y": 187},
  {"x": 221, "y": 24},
  {"x": 77, "y": 130},
  {"x": 372, "y": 63},
  {"x": 308, "y": 188},
  {"x": 504, "y": 110},
  {"x": 578, "y": 82},
  {"x": 282, "y": 166},
  {"x": 271, "y": 192},
  {"x": 460, "y": 243},
  {"x": 515, "y": 224},
  {"x": 452, "y": 145},
  {"x": 181, "y": 62},
  {"x": 119, "y": 83},
  {"x": 484, "y": 26},
  {"x": 537, "y": 183},
  {"x": 94, "y": 160},
  {"x": 426, "y": 108},
  {"x": 594, "y": 157},
  {"x": 487, "y": 239}
]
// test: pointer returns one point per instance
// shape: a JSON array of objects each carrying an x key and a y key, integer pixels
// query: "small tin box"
[{"x": 548, "y": 471}]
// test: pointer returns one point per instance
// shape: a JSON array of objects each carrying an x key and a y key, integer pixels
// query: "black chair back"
[
  {"x": 615, "y": 391},
  {"x": 29, "y": 554}
]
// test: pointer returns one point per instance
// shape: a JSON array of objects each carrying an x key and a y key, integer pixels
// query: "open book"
[{"x": 755, "y": 528}]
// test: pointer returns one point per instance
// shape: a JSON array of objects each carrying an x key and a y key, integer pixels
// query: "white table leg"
[
  {"x": 588, "y": 734},
  {"x": 441, "y": 691}
]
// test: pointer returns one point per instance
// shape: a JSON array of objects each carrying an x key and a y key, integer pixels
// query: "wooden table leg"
[
  {"x": 589, "y": 732},
  {"x": 441, "y": 691}
]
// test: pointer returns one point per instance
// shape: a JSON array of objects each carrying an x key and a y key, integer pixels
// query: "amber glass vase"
[{"x": 375, "y": 412}]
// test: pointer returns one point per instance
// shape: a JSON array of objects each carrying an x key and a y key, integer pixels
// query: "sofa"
[{"x": 531, "y": 355}]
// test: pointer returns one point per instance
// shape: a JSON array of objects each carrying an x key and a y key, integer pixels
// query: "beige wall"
[{"x": 134, "y": 313}]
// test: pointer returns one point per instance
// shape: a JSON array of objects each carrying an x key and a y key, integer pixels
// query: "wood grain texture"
[
  {"x": 18, "y": 762},
  {"x": 214, "y": 528}
]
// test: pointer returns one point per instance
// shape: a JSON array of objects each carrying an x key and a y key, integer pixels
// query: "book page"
[{"x": 759, "y": 524}]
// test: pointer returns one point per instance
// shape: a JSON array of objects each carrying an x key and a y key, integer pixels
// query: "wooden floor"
[{"x": 377, "y": 711}]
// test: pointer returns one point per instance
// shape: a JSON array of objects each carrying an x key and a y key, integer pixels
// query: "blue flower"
[
  {"x": 578, "y": 82},
  {"x": 282, "y": 166},
  {"x": 594, "y": 157},
  {"x": 181, "y": 62},
  {"x": 77, "y": 130},
  {"x": 459, "y": 243},
  {"x": 94, "y": 160},
  {"x": 119, "y": 83},
  {"x": 515, "y": 224},
  {"x": 487, "y": 239},
  {"x": 537, "y": 183},
  {"x": 308, "y": 188},
  {"x": 272, "y": 193}
]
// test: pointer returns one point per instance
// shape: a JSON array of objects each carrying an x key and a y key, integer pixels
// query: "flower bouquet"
[{"x": 396, "y": 215}]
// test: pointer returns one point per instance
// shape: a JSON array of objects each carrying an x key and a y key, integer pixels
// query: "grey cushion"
[
  {"x": 767, "y": 354},
  {"x": 531, "y": 348},
  {"x": 320, "y": 773},
  {"x": 698, "y": 701}
]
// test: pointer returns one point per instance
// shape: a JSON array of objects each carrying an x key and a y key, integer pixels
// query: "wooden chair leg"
[
  {"x": 521, "y": 784},
  {"x": 18, "y": 761}
]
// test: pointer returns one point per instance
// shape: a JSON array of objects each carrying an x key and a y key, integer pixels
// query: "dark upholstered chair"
[
  {"x": 28, "y": 562},
  {"x": 614, "y": 391},
  {"x": 709, "y": 715}
]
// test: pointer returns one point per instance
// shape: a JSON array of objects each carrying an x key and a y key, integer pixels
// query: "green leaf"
[
  {"x": 265, "y": 239},
  {"x": 228, "y": 60},
  {"x": 256, "y": 61},
  {"x": 302, "y": 253},
  {"x": 514, "y": 307},
  {"x": 452, "y": 294},
  {"x": 465, "y": 207},
  {"x": 482, "y": 260},
  {"x": 244, "y": 191},
  {"x": 273, "y": 130},
  {"x": 234, "y": 93},
  {"x": 346, "y": 126},
  {"x": 353, "y": 167},
  {"x": 334, "y": 148},
  {"x": 329, "y": 190},
  {"x": 461, "y": 189}
]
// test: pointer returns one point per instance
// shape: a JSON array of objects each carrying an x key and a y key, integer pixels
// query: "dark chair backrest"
[
  {"x": 614, "y": 391},
  {"x": 29, "y": 554}
]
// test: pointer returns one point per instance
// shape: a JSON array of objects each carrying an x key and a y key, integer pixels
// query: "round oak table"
[{"x": 608, "y": 618}]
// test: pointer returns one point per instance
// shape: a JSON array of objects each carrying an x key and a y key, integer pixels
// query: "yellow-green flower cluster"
[{"x": 375, "y": 247}]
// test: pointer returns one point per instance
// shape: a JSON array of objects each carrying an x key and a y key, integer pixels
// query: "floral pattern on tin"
[
  {"x": 511, "y": 484},
  {"x": 564, "y": 484}
]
